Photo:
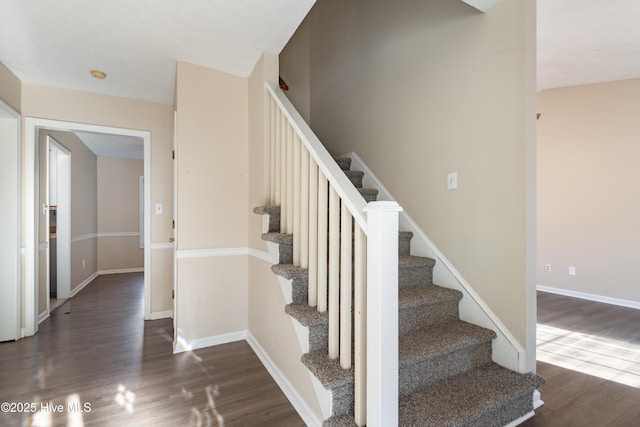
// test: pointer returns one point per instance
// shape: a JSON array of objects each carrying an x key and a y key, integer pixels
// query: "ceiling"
[
  {"x": 137, "y": 43},
  {"x": 587, "y": 41}
]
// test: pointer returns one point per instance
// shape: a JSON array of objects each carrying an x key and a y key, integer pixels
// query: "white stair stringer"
[
  {"x": 507, "y": 351},
  {"x": 323, "y": 395}
]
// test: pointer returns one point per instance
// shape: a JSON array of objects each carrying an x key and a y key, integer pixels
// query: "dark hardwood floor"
[
  {"x": 595, "y": 351},
  {"x": 97, "y": 351}
]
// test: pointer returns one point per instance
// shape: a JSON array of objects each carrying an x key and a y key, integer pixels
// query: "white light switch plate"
[
  {"x": 159, "y": 209},
  {"x": 452, "y": 180}
]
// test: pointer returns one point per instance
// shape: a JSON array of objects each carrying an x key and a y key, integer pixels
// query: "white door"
[
  {"x": 43, "y": 226},
  {"x": 9, "y": 224}
]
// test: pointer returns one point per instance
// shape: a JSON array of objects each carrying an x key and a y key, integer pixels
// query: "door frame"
[
  {"x": 30, "y": 204},
  {"x": 8, "y": 113}
]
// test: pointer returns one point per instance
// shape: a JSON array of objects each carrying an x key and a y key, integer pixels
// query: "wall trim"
[
  {"x": 43, "y": 316},
  {"x": 211, "y": 252},
  {"x": 119, "y": 234},
  {"x": 121, "y": 270},
  {"x": 224, "y": 252},
  {"x": 181, "y": 345},
  {"x": 262, "y": 255},
  {"x": 299, "y": 404},
  {"x": 84, "y": 237},
  {"x": 590, "y": 297},
  {"x": 82, "y": 285},
  {"x": 161, "y": 315}
]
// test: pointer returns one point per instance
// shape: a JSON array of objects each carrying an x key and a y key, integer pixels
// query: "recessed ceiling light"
[{"x": 98, "y": 74}]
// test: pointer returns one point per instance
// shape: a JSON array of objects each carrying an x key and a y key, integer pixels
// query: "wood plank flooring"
[
  {"x": 98, "y": 351},
  {"x": 575, "y": 397}
]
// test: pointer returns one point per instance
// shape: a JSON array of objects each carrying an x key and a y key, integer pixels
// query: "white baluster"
[
  {"x": 345, "y": 288},
  {"x": 360, "y": 326},
  {"x": 313, "y": 233},
  {"x": 334, "y": 273},
  {"x": 323, "y": 222}
]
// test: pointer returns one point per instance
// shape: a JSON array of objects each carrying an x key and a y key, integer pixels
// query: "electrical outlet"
[
  {"x": 572, "y": 270},
  {"x": 84, "y": 265},
  {"x": 547, "y": 268}
]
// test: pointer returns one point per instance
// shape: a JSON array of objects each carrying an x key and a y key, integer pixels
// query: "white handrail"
[{"x": 338, "y": 180}]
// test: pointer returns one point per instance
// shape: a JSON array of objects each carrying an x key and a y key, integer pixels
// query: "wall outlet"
[
  {"x": 572, "y": 270},
  {"x": 84, "y": 265},
  {"x": 547, "y": 268}
]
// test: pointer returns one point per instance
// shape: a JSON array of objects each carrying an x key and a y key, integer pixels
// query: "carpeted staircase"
[{"x": 446, "y": 378}]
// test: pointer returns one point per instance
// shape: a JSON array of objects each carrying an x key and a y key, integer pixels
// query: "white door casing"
[{"x": 10, "y": 224}]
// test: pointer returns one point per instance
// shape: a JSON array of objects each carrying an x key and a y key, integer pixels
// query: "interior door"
[
  {"x": 43, "y": 225},
  {"x": 9, "y": 224},
  {"x": 172, "y": 239}
]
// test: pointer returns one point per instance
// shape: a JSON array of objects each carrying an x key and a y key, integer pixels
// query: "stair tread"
[
  {"x": 343, "y": 162},
  {"x": 328, "y": 371},
  {"x": 306, "y": 315},
  {"x": 441, "y": 339},
  {"x": 283, "y": 238},
  {"x": 289, "y": 271},
  {"x": 267, "y": 210},
  {"x": 354, "y": 173},
  {"x": 344, "y": 421},
  {"x": 422, "y": 294},
  {"x": 415, "y": 261},
  {"x": 461, "y": 399}
]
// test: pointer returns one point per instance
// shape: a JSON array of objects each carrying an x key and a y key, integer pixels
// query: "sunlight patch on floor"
[
  {"x": 125, "y": 398},
  {"x": 610, "y": 359}
]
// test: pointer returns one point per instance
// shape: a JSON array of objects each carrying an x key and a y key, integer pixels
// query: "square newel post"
[{"x": 382, "y": 314}]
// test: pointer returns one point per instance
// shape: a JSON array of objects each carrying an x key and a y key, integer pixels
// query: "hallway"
[{"x": 95, "y": 362}]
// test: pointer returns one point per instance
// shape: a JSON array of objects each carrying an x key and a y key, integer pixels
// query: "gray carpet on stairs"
[{"x": 446, "y": 375}]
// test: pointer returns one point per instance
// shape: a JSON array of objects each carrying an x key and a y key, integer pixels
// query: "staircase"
[{"x": 446, "y": 373}]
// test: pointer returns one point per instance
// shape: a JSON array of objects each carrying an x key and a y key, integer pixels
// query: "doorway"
[
  {"x": 31, "y": 209},
  {"x": 59, "y": 227}
]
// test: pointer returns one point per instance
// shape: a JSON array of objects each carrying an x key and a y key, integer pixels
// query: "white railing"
[{"x": 358, "y": 258}]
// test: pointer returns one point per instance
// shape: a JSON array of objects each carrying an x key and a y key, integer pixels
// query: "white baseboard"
[
  {"x": 122, "y": 270},
  {"x": 83, "y": 284},
  {"x": 43, "y": 316},
  {"x": 161, "y": 315},
  {"x": 537, "y": 400},
  {"x": 182, "y": 345},
  {"x": 590, "y": 297},
  {"x": 299, "y": 404}
]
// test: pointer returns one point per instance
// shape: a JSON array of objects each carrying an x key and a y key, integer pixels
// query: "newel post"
[{"x": 382, "y": 314}]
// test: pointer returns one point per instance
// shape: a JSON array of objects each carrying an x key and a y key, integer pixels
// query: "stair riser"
[
  {"x": 342, "y": 400},
  {"x": 409, "y": 276},
  {"x": 424, "y": 373},
  {"x": 285, "y": 253},
  {"x": 356, "y": 179},
  {"x": 318, "y": 339},
  {"x": 300, "y": 290},
  {"x": 417, "y": 317}
]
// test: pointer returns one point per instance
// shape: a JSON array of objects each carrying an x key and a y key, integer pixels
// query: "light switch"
[
  {"x": 159, "y": 209},
  {"x": 452, "y": 180}
]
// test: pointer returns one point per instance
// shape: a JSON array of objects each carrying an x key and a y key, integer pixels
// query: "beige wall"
[
  {"x": 81, "y": 107},
  {"x": 10, "y": 88},
  {"x": 265, "y": 299},
  {"x": 419, "y": 89},
  {"x": 212, "y": 184},
  {"x": 588, "y": 178},
  {"x": 119, "y": 213}
]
